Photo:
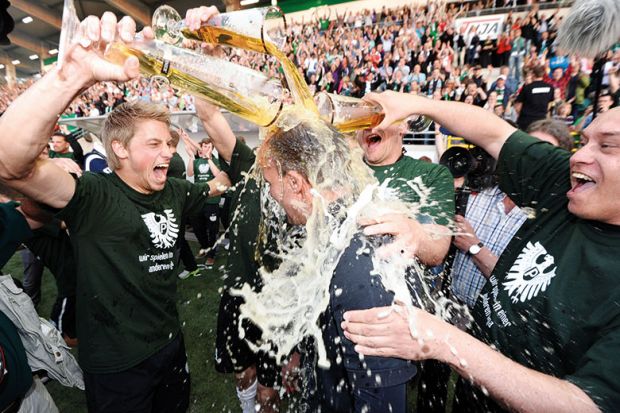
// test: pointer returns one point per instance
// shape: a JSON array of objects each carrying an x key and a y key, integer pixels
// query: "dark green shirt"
[
  {"x": 552, "y": 302},
  {"x": 16, "y": 377},
  {"x": 245, "y": 217},
  {"x": 17, "y": 380},
  {"x": 68, "y": 155},
  {"x": 412, "y": 177},
  {"x": 203, "y": 173},
  {"x": 124, "y": 243}
]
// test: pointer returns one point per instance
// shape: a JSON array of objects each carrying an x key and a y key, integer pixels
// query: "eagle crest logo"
[
  {"x": 530, "y": 274},
  {"x": 163, "y": 228}
]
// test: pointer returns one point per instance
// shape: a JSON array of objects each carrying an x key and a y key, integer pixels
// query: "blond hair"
[{"x": 120, "y": 125}]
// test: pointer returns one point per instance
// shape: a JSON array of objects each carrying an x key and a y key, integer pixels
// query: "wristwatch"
[{"x": 475, "y": 249}]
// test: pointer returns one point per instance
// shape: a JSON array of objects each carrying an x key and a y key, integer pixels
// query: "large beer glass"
[
  {"x": 243, "y": 91},
  {"x": 258, "y": 29},
  {"x": 349, "y": 114},
  {"x": 261, "y": 30}
]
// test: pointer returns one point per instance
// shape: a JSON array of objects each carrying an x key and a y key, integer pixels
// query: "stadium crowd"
[
  {"x": 412, "y": 54},
  {"x": 416, "y": 50}
]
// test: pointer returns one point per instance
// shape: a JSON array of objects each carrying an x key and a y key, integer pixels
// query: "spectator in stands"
[
  {"x": 533, "y": 101},
  {"x": 60, "y": 146},
  {"x": 518, "y": 49}
]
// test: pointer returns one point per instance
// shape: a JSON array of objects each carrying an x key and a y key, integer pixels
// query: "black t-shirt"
[{"x": 535, "y": 99}]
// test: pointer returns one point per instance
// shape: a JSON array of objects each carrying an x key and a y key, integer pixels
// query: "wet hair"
[
  {"x": 304, "y": 148},
  {"x": 120, "y": 125},
  {"x": 303, "y": 143},
  {"x": 555, "y": 128}
]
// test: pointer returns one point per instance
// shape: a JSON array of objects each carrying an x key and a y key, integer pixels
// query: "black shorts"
[
  {"x": 161, "y": 383},
  {"x": 232, "y": 354}
]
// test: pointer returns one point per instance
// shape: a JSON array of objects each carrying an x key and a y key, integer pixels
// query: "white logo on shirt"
[
  {"x": 163, "y": 228},
  {"x": 530, "y": 274},
  {"x": 203, "y": 168},
  {"x": 538, "y": 90}
]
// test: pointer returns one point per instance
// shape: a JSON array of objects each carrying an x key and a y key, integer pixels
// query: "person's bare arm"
[
  {"x": 213, "y": 121},
  {"x": 27, "y": 124},
  {"x": 219, "y": 184},
  {"x": 485, "y": 260},
  {"x": 217, "y": 128},
  {"x": 385, "y": 331},
  {"x": 429, "y": 243},
  {"x": 481, "y": 127}
]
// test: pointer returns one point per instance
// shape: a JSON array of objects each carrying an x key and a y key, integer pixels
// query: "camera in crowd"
[{"x": 474, "y": 165}]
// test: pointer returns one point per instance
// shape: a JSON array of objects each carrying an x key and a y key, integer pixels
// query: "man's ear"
[
  {"x": 295, "y": 181},
  {"x": 120, "y": 150}
]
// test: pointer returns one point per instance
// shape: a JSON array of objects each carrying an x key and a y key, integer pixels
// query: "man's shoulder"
[{"x": 417, "y": 167}]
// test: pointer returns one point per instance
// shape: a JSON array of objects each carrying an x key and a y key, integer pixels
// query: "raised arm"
[
  {"x": 470, "y": 122},
  {"x": 213, "y": 121},
  {"x": 28, "y": 123}
]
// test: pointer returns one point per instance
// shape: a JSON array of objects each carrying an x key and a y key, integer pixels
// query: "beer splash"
[
  {"x": 222, "y": 36},
  {"x": 293, "y": 296}
]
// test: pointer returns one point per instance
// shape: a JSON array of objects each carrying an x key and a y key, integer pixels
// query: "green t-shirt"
[
  {"x": 552, "y": 301},
  {"x": 203, "y": 173},
  {"x": 242, "y": 265},
  {"x": 176, "y": 169},
  {"x": 54, "y": 154},
  {"x": 125, "y": 246},
  {"x": 412, "y": 177}
]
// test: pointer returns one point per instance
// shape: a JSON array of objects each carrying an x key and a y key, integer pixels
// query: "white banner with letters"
[{"x": 486, "y": 26}]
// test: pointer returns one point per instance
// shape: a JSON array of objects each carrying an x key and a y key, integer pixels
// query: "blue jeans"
[{"x": 515, "y": 64}]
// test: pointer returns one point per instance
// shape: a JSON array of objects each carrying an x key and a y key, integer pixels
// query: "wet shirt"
[
  {"x": 374, "y": 384},
  {"x": 124, "y": 243},
  {"x": 431, "y": 180},
  {"x": 552, "y": 301},
  {"x": 244, "y": 219}
]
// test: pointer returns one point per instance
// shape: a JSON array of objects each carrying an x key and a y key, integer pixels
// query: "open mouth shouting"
[
  {"x": 161, "y": 171},
  {"x": 372, "y": 140},
  {"x": 581, "y": 182}
]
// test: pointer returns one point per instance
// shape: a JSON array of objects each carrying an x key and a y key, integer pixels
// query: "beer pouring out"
[{"x": 243, "y": 91}]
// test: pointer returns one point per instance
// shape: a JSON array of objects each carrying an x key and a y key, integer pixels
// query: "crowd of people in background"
[{"x": 418, "y": 50}]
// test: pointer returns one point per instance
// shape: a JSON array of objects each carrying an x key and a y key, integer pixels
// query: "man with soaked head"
[{"x": 316, "y": 177}]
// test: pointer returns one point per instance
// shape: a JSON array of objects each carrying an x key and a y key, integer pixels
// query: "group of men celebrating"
[{"x": 545, "y": 324}]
